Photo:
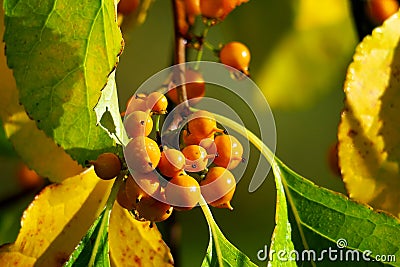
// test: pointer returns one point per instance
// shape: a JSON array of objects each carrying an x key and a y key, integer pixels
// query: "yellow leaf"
[
  {"x": 56, "y": 221},
  {"x": 369, "y": 132},
  {"x": 134, "y": 243},
  {"x": 35, "y": 148}
]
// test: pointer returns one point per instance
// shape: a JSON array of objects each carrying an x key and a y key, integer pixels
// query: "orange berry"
[
  {"x": 142, "y": 154},
  {"x": 127, "y": 7},
  {"x": 196, "y": 158},
  {"x": 157, "y": 102},
  {"x": 153, "y": 210},
  {"x": 229, "y": 151},
  {"x": 142, "y": 186},
  {"x": 107, "y": 166},
  {"x": 218, "y": 9},
  {"x": 182, "y": 192},
  {"x": 172, "y": 162},
  {"x": 28, "y": 178},
  {"x": 122, "y": 198},
  {"x": 202, "y": 124},
  {"x": 194, "y": 89},
  {"x": 138, "y": 123},
  {"x": 236, "y": 55},
  {"x": 135, "y": 103},
  {"x": 218, "y": 187},
  {"x": 192, "y": 8},
  {"x": 191, "y": 139},
  {"x": 380, "y": 10}
]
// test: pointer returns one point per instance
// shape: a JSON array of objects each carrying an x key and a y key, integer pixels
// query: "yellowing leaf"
[
  {"x": 33, "y": 146},
  {"x": 134, "y": 243},
  {"x": 56, "y": 220},
  {"x": 369, "y": 133}
]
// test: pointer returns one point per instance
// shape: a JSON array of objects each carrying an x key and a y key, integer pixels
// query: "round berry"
[
  {"x": 218, "y": 9},
  {"x": 122, "y": 198},
  {"x": 195, "y": 88},
  {"x": 236, "y": 55},
  {"x": 153, "y": 210},
  {"x": 196, "y": 158},
  {"x": 182, "y": 192},
  {"x": 141, "y": 187},
  {"x": 191, "y": 139},
  {"x": 136, "y": 103},
  {"x": 171, "y": 163},
  {"x": 229, "y": 151},
  {"x": 218, "y": 187},
  {"x": 202, "y": 124},
  {"x": 126, "y": 7},
  {"x": 192, "y": 8},
  {"x": 29, "y": 179},
  {"x": 142, "y": 154},
  {"x": 107, "y": 166},
  {"x": 138, "y": 123},
  {"x": 380, "y": 10},
  {"x": 157, "y": 102}
]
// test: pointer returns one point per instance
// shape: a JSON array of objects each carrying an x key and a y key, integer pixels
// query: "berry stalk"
[{"x": 106, "y": 218}]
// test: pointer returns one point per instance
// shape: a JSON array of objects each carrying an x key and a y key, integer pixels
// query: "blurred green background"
[{"x": 300, "y": 52}]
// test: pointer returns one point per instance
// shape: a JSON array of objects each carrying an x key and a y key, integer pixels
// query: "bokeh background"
[{"x": 300, "y": 53}]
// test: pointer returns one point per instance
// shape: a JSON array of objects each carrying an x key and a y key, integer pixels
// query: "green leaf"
[
  {"x": 93, "y": 250},
  {"x": 61, "y": 53},
  {"x": 281, "y": 237},
  {"x": 108, "y": 114},
  {"x": 333, "y": 216},
  {"x": 83, "y": 251},
  {"x": 220, "y": 250}
]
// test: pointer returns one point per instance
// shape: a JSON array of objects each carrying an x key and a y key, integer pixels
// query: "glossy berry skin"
[
  {"x": 122, "y": 198},
  {"x": 136, "y": 103},
  {"x": 191, "y": 139},
  {"x": 182, "y": 192},
  {"x": 218, "y": 9},
  {"x": 107, "y": 166},
  {"x": 172, "y": 162},
  {"x": 380, "y": 10},
  {"x": 141, "y": 187},
  {"x": 196, "y": 158},
  {"x": 192, "y": 8},
  {"x": 138, "y": 123},
  {"x": 126, "y": 7},
  {"x": 218, "y": 187},
  {"x": 153, "y": 210},
  {"x": 195, "y": 88},
  {"x": 157, "y": 102},
  {"x": 229, "y": 151},
  {"x": 202, "y": 124},
  {"x": 142, "y": 154},
  {"x": 236, "y": 55}
]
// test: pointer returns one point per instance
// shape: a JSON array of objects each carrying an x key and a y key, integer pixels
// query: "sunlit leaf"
[
  {"x": 134, "y": 243},
  {"x": 369, "y": 133},
  {"x": 57, "y": 219},
  {"x": 310, "y": 59},
  {"x": 108, "y": 114},
  {"x": 220, "y": 249},
  {"x": 37, "y": 150},
  {"x": 61, "y": 53},
  {"x": 332, "y": 216},
  {"x": 281, "y": 237}
]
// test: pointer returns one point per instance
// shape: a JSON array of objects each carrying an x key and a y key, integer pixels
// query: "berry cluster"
[{"x": 163, "y": 177}]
